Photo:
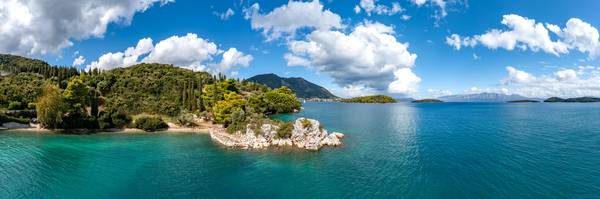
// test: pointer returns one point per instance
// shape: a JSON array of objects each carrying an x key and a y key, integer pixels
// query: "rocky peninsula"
[{"x": 306, "y": 134}]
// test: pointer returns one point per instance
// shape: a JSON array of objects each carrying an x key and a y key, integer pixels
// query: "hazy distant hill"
[
  {"x": 303, "y": 88},
  {"x": 484, "y": 97},
  {"x": 576, "y": 99}
]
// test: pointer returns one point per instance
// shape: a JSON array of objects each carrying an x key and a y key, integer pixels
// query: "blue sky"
[{"x": 420, "y": 60}]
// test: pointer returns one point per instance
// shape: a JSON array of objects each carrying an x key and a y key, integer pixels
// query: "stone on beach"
[{"x": 14, "y": 125}]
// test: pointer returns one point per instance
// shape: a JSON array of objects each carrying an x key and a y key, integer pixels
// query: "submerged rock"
[{"x": 305, "y": 134}]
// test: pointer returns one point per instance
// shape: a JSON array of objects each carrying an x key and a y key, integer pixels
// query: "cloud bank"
[
  {"x": 369, "y": 58},
  {"x": 371, "y": 6},
  {"x": 189, "y": 51},
  {"x": 289, "y": 18},
  {"x": 40, "y": 27},
  {"x": 527, "y": 34},
  {"x": 582, "y": 81}
]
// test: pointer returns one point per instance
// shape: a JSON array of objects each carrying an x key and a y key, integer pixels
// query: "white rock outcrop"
[{"x": 305, "y": 134}]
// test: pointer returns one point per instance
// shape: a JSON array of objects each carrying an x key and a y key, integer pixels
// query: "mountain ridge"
[{"x": 302, "y": 87}]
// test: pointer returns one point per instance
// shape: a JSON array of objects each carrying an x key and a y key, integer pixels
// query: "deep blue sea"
[{"x": 404, "y": 150}]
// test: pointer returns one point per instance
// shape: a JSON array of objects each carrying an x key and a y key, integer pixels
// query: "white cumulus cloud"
[
  {"x": 225, "y": 15},
  {"x": 441, "y": 4},
  {"x": 371, "y": 6},
  {"x": 189, "y": 51},
  {"x": 41, "y": 26},
  {"x": 122, "y": 59},
  {"x": 79, "y": 61},
  {"x": 368, "y": 58},
  {"x": 517, "y": 76},
  {"x": 527, "y": 34},
  {"x": 406, "y": 82},
  {"x": 233, "y": 58},
  {"x": 295, "y": 15}
]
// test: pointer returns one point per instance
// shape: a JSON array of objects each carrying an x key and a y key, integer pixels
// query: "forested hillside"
[
  {"x": 370, "y": 99},
  {"x": 16, "y": 64},
  {"x": 109, "y": 99}
]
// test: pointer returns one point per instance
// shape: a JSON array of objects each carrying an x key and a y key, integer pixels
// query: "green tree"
[
  {"x": 50, "y": 107},
  {"x": 94, "y": 102},
  {"x": 76, "y": 91},
  {"x": 281, "y": 100},
  {"x": 212, "y": 94},
  {"x": 224, "y": 108}
]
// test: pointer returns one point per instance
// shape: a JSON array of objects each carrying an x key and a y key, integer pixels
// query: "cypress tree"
[{"x": 201, "y": 102}]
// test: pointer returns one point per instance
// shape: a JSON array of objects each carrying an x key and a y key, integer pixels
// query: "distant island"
[
  {"x": 576, "y": 99},
  {"x": 382, "y": 99},
  {"x": 484, "y": 97},
  {"x": 303, "y": 89},
  {"x": 427, "y": 101},
  {"x": 523, "y": 101}
]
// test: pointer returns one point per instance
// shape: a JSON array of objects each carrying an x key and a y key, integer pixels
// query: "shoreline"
[
  {"x": 304, "y": 133},
  {"x": 35, "y": 129}
]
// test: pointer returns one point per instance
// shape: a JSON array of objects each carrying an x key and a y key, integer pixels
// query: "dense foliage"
[
  {"x": 107, "y": 99},
  {"x": 23, "y": 88},
  {"x": 51, "y": 107},
  {"x": 4, "y": 118},
  {"x": 370, "y": 99},
  {"x": 151, "y": 88}
]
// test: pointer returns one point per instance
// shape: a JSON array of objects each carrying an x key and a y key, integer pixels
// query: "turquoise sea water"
[{"x": 448, "y": 150}]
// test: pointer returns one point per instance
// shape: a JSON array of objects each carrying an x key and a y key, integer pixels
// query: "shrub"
[
  {"x": 150, "y": 124},
  {"x": 115, "y": 119},
  {"x": 120, "y": 119},
  {"x": 238, "y": 121},
  {"x": 185, "y": 119},
  {"x": 285, "y": 130},
  {"x": 104, "y": 121},
  {"x": 79, "y": 120},
  {"x": 306, "y": 123},
  {"x": 15, "y": 105},
  {"x": 232, "y": 128},
  {"x": 31, "y": 106},
  {"x": 5, "y": 119}
]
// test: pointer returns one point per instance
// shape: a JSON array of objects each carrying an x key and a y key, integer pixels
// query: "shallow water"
[{"x": 447, "y": 150}]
